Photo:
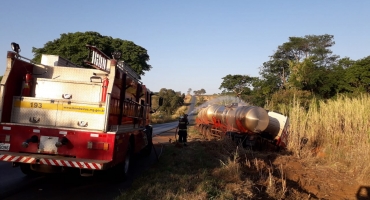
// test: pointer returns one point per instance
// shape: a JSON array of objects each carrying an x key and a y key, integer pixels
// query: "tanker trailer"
[{"x": 244, "y": 124}]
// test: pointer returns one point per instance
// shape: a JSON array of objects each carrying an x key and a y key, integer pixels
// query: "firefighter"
[{"x": 183, "y": 129}]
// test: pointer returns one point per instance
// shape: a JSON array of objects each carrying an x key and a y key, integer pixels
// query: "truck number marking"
[{"x": 36, "y": 105}]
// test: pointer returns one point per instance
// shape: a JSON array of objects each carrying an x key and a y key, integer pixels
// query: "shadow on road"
[{"x": 72, "y": 186}]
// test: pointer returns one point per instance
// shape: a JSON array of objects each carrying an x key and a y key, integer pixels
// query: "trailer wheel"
[
  {"x": 203, "y": 131},
  {"x": 207, "y": 134}
]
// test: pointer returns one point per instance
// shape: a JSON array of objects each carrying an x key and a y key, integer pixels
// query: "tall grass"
[{"x": 338, "y": 133}]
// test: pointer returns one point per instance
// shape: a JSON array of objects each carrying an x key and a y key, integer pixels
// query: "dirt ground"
[
  {"x": 302, "y": 181},
  {"x": 320, "y": 182}
]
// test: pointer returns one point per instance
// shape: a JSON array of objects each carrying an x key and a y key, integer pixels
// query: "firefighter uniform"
[{"x": 183, "y": 129}]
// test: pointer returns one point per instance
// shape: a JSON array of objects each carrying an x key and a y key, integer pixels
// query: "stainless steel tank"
[{"x": 244, "y": 119}]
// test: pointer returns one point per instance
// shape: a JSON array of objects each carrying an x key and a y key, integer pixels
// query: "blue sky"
[{"x": 191, "y": 43}]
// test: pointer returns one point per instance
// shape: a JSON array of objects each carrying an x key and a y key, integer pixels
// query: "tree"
[
  {"x": 202, "y": 91},
  {"x": 72, "y": 47},
  {"x": 303, "y": 63},
  {"x": 171, "y": 100},
  {"x": 315, "y": 48},
  {"x": 239, "y": 84},
  {"x": 306, "y": 75},
  {"x": 189, "y": 91},
  {"x": 263, "y": 89},
  {"x": 199, "y": 92},
  {"x": 358, "y": 75},
  {"x": 338, "y": 76}
]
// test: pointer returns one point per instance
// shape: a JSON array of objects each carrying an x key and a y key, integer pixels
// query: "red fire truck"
[{"x": 56, "y": 116}]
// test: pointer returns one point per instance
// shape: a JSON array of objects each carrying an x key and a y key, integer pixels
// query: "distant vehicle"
[{"x": 56, "y": 115}]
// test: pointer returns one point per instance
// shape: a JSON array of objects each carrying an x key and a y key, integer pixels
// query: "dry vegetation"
[
  {"x": 206, "y": 170},
  {"x": 338, "y": 132},
  {"x": 332, "y": 165}
]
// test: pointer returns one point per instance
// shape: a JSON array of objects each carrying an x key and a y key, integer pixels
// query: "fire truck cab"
[{"x": 54, "y": 118}]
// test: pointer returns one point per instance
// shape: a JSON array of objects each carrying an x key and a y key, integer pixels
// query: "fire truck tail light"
[
  {"x": 4, "y": 138},
  {"x": 33, "y": 139},
  {"x": 98, "y": 145}
]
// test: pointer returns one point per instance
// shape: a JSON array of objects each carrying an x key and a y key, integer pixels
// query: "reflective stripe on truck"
[{"x": 65, "y": 162}]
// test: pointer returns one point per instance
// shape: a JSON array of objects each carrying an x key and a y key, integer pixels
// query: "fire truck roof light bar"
[{"x": 15, "y": 47}]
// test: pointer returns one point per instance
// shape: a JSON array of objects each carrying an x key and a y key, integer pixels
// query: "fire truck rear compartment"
[{"x": 61, "y": 97}]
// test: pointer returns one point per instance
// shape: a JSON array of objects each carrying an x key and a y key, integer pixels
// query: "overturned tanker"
[{"x": 244, "y": 124}]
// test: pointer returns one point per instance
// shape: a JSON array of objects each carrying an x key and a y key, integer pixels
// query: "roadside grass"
[
  {"x": 338, "y": 133},
  {"x": 214, "y": 169}
]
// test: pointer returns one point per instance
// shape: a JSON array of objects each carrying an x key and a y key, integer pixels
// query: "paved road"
[
  {"x": 160, "y": 128},
  {"x": 192, "y": 105}
]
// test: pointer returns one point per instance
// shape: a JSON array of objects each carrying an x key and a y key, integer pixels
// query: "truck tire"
[
  {"x": 127, "y": 161},
  {"x": 120, "y": 172},
  {"x": 148, "y": 148},
  {"x": 26, "y": 169}
]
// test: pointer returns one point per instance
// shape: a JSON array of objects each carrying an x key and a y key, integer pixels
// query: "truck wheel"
[
  {"x": 127, "y": 161},
  {"x": 148, "y": 148},
  {"x": 26, "y": 169},
  {"x": 119, "y": 172}
]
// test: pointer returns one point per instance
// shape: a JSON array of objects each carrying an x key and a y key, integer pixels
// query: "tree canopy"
[
  {"x": 358, "y": 76},
  {"x": 189, "y": 91},
  {"x": 238, "y": 84},
  {"x": 303, "y": 67},
  {"x": 171, "y": 100},
  {"x": 72, "y": 46},
  {"x": 199, "y": 92}
]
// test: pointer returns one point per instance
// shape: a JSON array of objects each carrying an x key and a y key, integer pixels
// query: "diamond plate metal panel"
[
  {"x": 65, "y": 73},
  {"x": 47, "y": 144},
  {"x": 79, "y": 91},
  {"x": 34, "y": 111},
  {"x": 86, "y": 116}
]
